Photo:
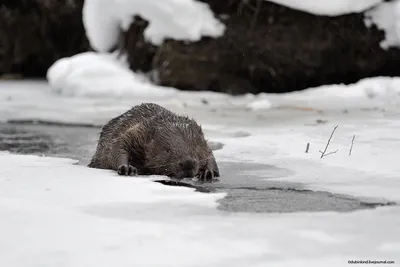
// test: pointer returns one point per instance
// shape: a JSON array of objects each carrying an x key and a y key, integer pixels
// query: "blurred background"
[{"x": 265, "y": 46}]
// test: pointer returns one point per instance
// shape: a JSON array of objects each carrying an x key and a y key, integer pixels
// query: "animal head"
[{"x": 177, "y": 149}]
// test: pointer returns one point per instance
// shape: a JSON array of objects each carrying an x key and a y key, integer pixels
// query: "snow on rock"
[
  {"x": 176, "y": 19},
  {"x": 101, "y": 75},
  {"x": 329, "y": 8},
  {"x": 101, "y": 23},
  {"x": 386, "y": 17},
  {"x": 53, "y": 213}
]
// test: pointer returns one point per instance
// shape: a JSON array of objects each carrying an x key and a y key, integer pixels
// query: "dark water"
[{"x": 247, "y": 190}]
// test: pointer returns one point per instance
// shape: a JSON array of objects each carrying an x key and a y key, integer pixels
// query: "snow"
[
  {"x": 386, "y": 17},
  {"x": 101, "y": 75},
  {"x": 376, "y": 92},
  {"x": 260, "y": 103},
  {"x": 54, "y": 213},
  {"x": 59, "y": 104},
  {"x": 368, "y": 109},
  {"x": 93, "y": 74},
  {"x": 176, "y": 19},
  {"x": 186, "y": 20},
  {"x": 329, "y": 8},
  {"x": 370, "y": 173},
  {"x": 190, "y": 20}
]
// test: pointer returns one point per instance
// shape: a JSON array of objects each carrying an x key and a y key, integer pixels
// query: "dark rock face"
[
  {"x": 279, "y": 50},
  {"x": 139, "y": 52},
  {"x": 35, "y": 33}
]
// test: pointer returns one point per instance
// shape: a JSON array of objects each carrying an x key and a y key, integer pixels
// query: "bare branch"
[
  {"x": 327, "y": 144},
  {"x": 352, "y": 142}
]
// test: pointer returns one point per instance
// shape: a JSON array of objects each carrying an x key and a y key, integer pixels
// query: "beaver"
[{"x": 151, "y": 140}]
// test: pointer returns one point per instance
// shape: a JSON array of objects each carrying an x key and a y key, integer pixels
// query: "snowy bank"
[
  {"x": 54, "y": 213},
  {"x": 329, "y": 8},
  {"x": 375, "y": 92},
  {"x": 104, "y": 76},
  {"x": 179, "y": 20}
]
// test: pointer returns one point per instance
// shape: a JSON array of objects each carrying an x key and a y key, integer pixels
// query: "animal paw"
[
  {"x": 127, "y": 170},
  {"x": 206, "y": 176}
]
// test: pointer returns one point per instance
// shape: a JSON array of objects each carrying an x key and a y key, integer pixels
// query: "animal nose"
[{"x": 187, "y": 164}]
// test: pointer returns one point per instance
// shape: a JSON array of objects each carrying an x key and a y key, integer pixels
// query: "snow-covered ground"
[{"x": 56, "y": 213}]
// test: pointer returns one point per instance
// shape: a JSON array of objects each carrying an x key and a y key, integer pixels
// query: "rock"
[
  {"x": 279, "y": 50},
  {"x": 140, "y": 53},
  {"x": 36, "y": 33}
]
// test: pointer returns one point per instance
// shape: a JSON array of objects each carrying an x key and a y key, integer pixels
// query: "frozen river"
[{"x": 275, "y": 205}]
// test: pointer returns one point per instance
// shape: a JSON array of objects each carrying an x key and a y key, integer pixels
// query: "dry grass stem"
[{"x": 352, "y": 142}]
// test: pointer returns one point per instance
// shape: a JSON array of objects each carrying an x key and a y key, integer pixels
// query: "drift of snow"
[
  {"x": 177, "y": 19},
  {"x": 101, "y": 75},
  {"x": 369, "y": 90},
  {"x": 329, "y": 8},
  {"x": 386, "y": 17}
]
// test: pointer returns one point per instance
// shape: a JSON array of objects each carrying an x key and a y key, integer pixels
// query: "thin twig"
[
  {"x": 327, "y": 144},
  {"x": 308, "y": 147},
  {"x": 352, "y": 142}
]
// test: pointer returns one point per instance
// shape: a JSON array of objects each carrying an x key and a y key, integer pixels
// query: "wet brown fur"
[{"x": 150, "y": 139}]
